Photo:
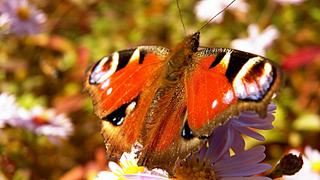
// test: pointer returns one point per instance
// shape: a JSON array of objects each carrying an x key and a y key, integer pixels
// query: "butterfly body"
[{"x": 171, "y": 101}]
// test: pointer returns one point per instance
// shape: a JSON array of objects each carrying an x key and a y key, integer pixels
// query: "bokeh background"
[{"x": 47, "y": 126}]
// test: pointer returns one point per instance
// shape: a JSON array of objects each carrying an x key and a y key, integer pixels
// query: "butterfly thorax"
[{"x": 181, "y": 57}]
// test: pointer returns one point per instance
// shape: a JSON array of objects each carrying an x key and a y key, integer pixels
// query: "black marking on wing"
[
  {"x": 91, "y": 80},
  {"x": 237, "y": 60},
  {"x": 142, "y": 56},
  {"x": 218, "y": 59},
  {"x": 186, "y": 132},
  {"x": 118, "y": 116},
  {"x": 124, "y": 58}
]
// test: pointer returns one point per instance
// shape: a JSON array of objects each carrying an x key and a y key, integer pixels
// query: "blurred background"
[{"x": 47, "y": 126}]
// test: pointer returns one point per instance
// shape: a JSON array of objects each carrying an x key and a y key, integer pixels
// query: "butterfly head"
[{"x": 192, "y": 42}]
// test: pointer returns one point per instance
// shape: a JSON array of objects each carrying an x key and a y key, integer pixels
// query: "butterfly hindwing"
[
  {"x": 225, "y": 82},
  {"x": 117, "y": 85}
]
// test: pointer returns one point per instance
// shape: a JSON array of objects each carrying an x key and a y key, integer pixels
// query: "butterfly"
[{"x": 170, "y": 100}]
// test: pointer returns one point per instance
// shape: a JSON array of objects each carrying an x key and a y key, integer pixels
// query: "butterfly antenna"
[
  {"x": 180, "y": 13},
  {"x": 205, "y": 24}
]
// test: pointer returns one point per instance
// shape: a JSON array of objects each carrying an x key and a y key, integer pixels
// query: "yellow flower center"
[
  {"x": 40, "y": 120},
  {"x": 316, "y": 166},
  {"x": 194, "y": 168},
  {"x": 23, "y": 13},
  {"x": 128, "y": 167},
  {"x": 131, "y": 167}
]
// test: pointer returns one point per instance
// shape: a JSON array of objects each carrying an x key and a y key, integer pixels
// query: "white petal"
[
  {"x": 103, "y": 175},
  {"x": 115, "y": 168}
]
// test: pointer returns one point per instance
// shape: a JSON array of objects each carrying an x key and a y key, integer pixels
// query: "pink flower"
[
  {"x": 257, "y": 42},
  {"x": 8, "y": 108},
  {"x": 39, "y": 120},
  {"x": 289, "y": 1},
  {"x": 241, "y": 166},
  {"x": 229, "y": 135},
  {"x": 47, "y": 122},
  {"x": 21, "y": 17},
  {"x": 205, "y": 9}
]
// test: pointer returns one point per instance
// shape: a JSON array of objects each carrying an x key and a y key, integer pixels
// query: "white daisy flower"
[
  {"x": 258, "y": 41},
  {"x": 205, "y": 9},
  {"x": 8, "y": 108},
  {"x": 311, "y": 165}
]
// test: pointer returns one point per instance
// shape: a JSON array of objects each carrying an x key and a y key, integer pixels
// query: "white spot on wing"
[
  {"x": 228, "y": 97},
  {"x": 267, "y": 68},
  {"x": 109, "y": 91},
  {"x": 240, "y": 89},
  {"x": 97, "y": 72},
  {"x": 105, "y": 84},
  {"x": 130, "y": 107},
  {"x": 214, "y": 104},
  {"x": 252, "y": 88},
  {"x": 113, "y": 68},
  {"x": 135, "y": 56},
  {"x": 265, "y": 78},
  {"x": 253, "y": 91},
  {"x": 225, "y": 60}
]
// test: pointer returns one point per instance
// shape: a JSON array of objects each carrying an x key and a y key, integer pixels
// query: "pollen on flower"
[
  {"x": 316, "y": 166},
  {"x": 23, "y": 13},
  {"x": 131, "y": 167},
  {"x": 21, "y": 17},
  {"x": 40, "y": 120},
  {"x": 194, "y": 168},
  {"x": 128, "y": 165}
]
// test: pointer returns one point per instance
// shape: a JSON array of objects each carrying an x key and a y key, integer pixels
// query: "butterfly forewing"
[
  {"x": 225, "y": 82},
  {"x": 121, "y": 88}
]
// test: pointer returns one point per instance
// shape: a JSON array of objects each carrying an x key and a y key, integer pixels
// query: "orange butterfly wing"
[
  {"x": 225, "y": 82},
  {"x": 121, "y": 88}
]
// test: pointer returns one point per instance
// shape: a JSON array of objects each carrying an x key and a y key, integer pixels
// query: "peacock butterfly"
[{"x": 170, "y": 101}]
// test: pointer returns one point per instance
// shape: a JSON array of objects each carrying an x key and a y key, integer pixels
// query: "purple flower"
[
  {"x": 47, "y": 122},
  {"x": 216, "y": 161},
  {"x": 241, "y": 166},
  {"x": 21, "y": 17},
  {"x": 229, "y": 135},
  {"x": 39, "y": 120}
]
